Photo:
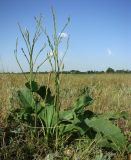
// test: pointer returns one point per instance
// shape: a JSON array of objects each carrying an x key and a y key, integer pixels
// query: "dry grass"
[{"x": 111, "y": 92}]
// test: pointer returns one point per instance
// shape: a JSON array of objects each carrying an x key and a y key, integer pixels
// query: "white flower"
[
  {"x": 63, "y": 35},
  {"x": 51, "y": 54}
]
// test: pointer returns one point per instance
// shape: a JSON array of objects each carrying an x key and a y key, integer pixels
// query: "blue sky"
[{"x": 100, "y": 31}]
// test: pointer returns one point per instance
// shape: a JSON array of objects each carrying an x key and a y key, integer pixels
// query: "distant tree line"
[{"x": 109, "y": 70}]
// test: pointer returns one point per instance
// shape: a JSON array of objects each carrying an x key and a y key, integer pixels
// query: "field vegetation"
[
  {"x": 62, "y": 116},
  {"x": 110, "y": 92}
]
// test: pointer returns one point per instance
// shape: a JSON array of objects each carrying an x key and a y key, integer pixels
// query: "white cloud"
[
  {"x": 63, "y": 35},
  {"x": 109, "y": 52}
]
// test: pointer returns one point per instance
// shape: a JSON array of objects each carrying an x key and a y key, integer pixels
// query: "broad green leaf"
[
  {"x": 48, "y": 115},
  {"x": 103, "y": 141},
  {"x": 26, "y": 99},
  {"x": 86, "y": 114},
  {"x": 109, "y": 131},
  {"x": 114, "y": 115},
  {"x": 69, "y": 128},
  {"x": 66, "y": 115},
  {"x": 81, "y": 102},
  {"x": 42, "y": 91},
  {"x": 45, "y": 94},
  {"x": 33, "y": 86}
]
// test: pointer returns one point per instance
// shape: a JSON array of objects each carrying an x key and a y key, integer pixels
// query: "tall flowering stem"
[{"x": 56, "y": 64}]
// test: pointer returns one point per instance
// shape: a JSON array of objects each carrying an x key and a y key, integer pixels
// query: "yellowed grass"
[{"x": 111, "y": 92}]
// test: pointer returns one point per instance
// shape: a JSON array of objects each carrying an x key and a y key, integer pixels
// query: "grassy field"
[{"x": 110, "y": 92}]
